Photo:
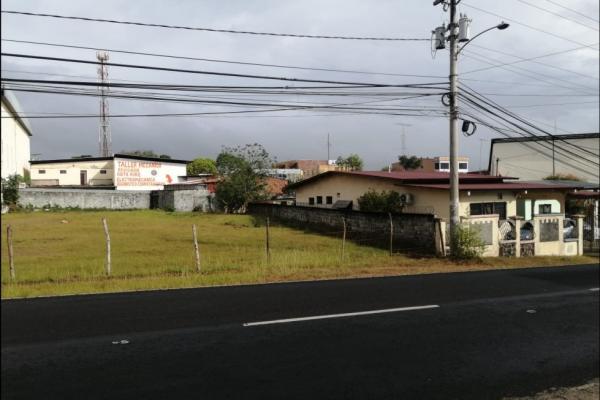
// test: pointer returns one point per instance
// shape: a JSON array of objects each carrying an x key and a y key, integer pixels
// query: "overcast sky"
[{"x": 531, "y": 90}]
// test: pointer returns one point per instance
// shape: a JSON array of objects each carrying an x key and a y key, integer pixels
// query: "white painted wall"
[
  {"x": 15, "y": 145},
  {"x": 146, "y": 175},
  {"x": 530, "y": 161}
]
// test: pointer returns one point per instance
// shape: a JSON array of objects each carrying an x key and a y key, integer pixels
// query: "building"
[
  {"x": 436, "y": 164},
  {"x": 16, "y": 134},
  {"x": 427, "y": 192},
  {"x": 309, "y": 167},
  {"x": 120, "y": 172},
  {"x": 535, "y": 158},
  {"x": 288, "y": 174}
]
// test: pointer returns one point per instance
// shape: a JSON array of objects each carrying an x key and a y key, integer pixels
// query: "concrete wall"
[
  {"x": 197, "y": 199},
  {"x": 15, "y": 146},
  {"x": 415, "y": 232},
  {"x": 84, "y": 198},
  {"x": 533, "y": 161}
]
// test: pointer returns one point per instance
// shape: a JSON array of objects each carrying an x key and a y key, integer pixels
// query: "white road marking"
[
  {"x": 352, "y": 314},
  {"x": 594, "y": 289}
]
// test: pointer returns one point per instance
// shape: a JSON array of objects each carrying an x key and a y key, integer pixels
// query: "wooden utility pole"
[
  {"x": 196, "y": 248},
  {"x": 391, "y": 234},
  {"x": 11, "y": 258},
  {"x": 107, "y": 235},
  {"x": 343, "y": 237},
  {"x": 268, "y": 244}
]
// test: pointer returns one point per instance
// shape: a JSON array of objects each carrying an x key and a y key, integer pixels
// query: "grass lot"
[{"x": 63, "y": 253}]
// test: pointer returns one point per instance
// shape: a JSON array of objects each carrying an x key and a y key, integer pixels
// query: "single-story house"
[{"x": 428, "y": 192}]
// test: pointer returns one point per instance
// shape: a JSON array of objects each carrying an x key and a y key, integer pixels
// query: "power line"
[
  {"x": 305, "y": 36},
  {"x": 531, "y": 59},
  {"x": 552, "y": 104},
  {"x": 523, "y": 24},
  {"x": 358, "y": 84},
  {"x": 218, "y": 60},
  {"x": 556, "y": 14},
  {"x": 572, "y": 10}
]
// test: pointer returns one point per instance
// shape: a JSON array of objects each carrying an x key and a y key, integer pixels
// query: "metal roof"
[
  {"x": 13, "y": 105},
  {"x": 82, "y": 159}
]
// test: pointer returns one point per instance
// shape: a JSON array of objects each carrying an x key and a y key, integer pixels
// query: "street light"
[{"x": 463, "y": 36}]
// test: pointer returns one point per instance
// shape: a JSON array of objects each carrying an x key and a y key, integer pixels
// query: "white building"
[
  {"x": 121, "y": 172},
  {"x": 535, "y": 158},
  {"x": 16, "y": 133}
]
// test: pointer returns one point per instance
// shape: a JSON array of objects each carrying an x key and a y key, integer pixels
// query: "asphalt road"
[{"x": 478, "y": 335}]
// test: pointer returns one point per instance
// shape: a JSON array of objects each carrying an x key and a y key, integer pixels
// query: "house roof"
[
  {"x": 494, "y": 186},
  {"x": 77, "y": 159},
  {"x": 407, "y": 177},
  {"x": 13, "y": 105}
]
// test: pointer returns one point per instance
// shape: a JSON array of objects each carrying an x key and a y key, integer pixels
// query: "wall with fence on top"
[
  {"x": 543, "y": 235},
  {"x": 399, "y": 232}
]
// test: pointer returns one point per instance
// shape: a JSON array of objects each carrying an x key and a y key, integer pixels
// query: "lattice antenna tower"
[{"x": 104, "y": 136}]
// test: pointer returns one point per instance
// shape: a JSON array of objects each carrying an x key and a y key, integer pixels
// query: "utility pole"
[
  {"x": 328, "y": 148},
  {"x": 458, "y": 31},
  {"x": 454, "y": 201}
]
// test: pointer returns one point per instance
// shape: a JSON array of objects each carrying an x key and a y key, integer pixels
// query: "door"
[{"x": 83, "y": 178}]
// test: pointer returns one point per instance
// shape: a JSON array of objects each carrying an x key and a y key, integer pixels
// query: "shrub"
[
  {"x": 562, "y": 177},
  {"x": 469, "y": 245},
  {"x": 10, "y": 189},
  {"x": 385, "y": 201}
]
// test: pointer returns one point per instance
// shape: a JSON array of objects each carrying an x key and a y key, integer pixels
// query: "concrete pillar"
[
  {"x": 579, "y": 219},
  {"x": 518, "y": 222}
]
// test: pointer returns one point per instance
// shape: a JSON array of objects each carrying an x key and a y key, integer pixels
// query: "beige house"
[
  {"x": 121, "y": 172},
  {"x": 436, "y": 164},
  {"x": 15, "y": 138},
  {"x": 499, "y": 206}
]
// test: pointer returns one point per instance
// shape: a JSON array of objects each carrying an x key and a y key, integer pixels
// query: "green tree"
[
  {"x": 10, "y": 189},
  {"x": 410, "y": 163},
  {"x": 384, "y": 201},
  {"x": 202, "y": 166},
  {"x": 145, "y": 153},
  {"x": 242, "y": 170},
  {"x": 353, "y": 162},
  {"x": 469, "y": 245}
]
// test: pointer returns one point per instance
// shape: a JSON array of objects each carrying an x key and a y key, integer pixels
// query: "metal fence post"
[
  {"x": 391, "y": 234},
  {"x": 343, "y": 237},
  {"x": 107, "y": 235},
  {"x": 268, "y": 244},
  {"x": 11, "y": 258}
]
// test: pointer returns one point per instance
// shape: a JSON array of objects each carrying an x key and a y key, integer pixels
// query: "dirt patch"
[{"x": 589, "y": 391}]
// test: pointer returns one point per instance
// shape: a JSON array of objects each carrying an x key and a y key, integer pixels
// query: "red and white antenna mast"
[{"x": 104, "y": 137}]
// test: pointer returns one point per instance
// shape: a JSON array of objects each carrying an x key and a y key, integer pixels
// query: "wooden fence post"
[
  {"x": 196, "y": 249},
  {"x": 107, "y": 235},
  {"x": 268, "y": 244},
  {"x": 391, "y": 234},
  {"x": 343, "y": 237},
  {"x": 11, "y": 258}
]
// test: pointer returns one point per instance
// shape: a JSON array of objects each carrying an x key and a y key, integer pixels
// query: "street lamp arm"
[{"x": 501, "y": 26}]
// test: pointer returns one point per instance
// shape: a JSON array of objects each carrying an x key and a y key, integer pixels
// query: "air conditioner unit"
[{"x": 406, "y": 198}]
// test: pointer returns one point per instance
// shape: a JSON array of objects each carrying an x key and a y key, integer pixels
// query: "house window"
[
  {"x": 437, "y": 165},
  {"x": 488, "y": 208},
  {"x": 463, "y": 165},
  {"x": 63, "y": 171},
  {"x": 42, "y": 171},
  {"x": 329, "y": 200},
  {"x": 103, "y": 171},
  {"x": 444, "y": 165},
  {"x": 319, "y": 199},
  {"x": 311, "y": 201},
  {"x": 545, "y": 209}
]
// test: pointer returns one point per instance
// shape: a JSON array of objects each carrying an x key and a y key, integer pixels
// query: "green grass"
[{"x": 64, "y": 253}]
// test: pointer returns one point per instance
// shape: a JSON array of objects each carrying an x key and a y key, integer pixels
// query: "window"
[
  {"x": 103, "y": 171},
  {"x": 436, "y": 165},
  {"x": 63, "y": 171},
  {"x": 444, "y": 165},
  {"x": 463, "y": 165},
  {"x": 319, "y": 199},
  {"x": 42, "y": 171},
  {"x": 488, "y": 208},
  {"x": 545, "y": 209},
  {"x": 311, "y": 201},
  {"x": 329, "y": 200}
]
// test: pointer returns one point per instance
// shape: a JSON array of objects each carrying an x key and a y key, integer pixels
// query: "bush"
[
  {"x": 469, "y": 245},
  {"x": 385, "y": 201},
  {"x": 10, "y": 189}
]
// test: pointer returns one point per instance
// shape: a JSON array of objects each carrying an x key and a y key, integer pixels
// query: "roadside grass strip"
[{"x": 343, "y": 315}]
